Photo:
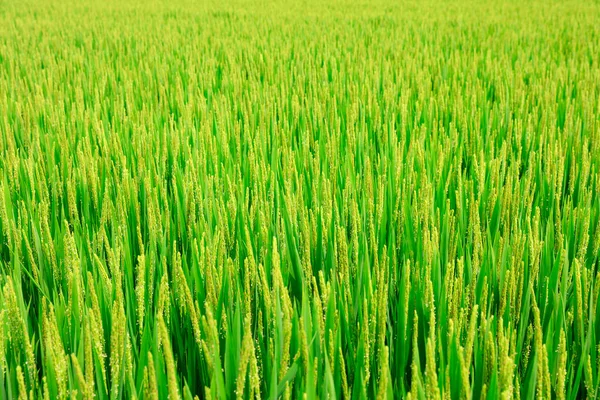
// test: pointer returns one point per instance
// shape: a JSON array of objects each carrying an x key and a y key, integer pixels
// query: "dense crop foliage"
[{"x": 332, "y": 200}]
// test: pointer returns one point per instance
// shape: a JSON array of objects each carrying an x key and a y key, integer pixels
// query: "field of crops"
[{"x": 332, "y": 199}]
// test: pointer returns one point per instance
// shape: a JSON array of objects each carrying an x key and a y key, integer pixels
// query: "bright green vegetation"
[{"x": 321, "y": 199}]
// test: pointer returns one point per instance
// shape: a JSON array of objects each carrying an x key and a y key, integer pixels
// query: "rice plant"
[{"x": 299, "y": 199}]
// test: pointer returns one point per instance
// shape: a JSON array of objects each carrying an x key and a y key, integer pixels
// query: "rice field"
[{"x": 299, "y": 199}]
